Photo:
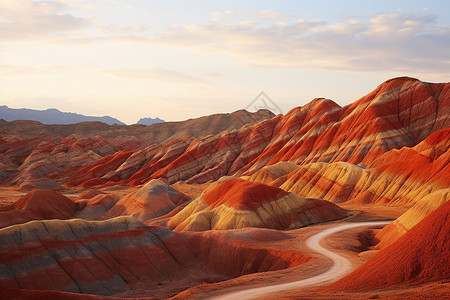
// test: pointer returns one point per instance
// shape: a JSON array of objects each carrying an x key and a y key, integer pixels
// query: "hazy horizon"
[{"x": 178, "y": 60}]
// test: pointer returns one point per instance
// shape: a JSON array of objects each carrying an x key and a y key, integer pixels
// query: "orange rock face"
[
  {"x": 119, "y": 255},
  {"x": 238, "y": 203},
  {"x": 401, "y": 112},
  {"x": 421, "y": 255},
  {"x": 391, "y": 147},
  {"x": 37, "y": 205},
  {"x": 152, "y": 200}
]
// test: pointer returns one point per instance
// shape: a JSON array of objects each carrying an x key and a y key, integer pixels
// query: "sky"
[{"x": 180, "y": 59}]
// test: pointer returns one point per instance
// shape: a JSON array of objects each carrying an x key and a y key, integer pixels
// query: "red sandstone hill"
[
  {"x": 37, "y": 205},
  {"x": 238, "y": 203},
  {"x": 389, "y": 147},
  {"x": 401, "y": 112},
  {"x": 421, "y": 255},
  {"x": 152, "y": 200},
  {"x": 121, "y": 256},
  {"x": 397, "y": 177}
]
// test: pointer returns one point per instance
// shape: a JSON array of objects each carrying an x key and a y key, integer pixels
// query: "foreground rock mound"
[
  {"x": 238, "y": 203},
  {"x": 37, "y": 205},
  {"x": 122, "y": 255},
  {"x": 421, "y": 255}
]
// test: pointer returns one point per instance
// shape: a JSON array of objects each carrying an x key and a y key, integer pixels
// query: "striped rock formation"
[
  {"x": 152, "y": 200},
  {"x": 398, "y": 177},
  {"x": 92, "y": 174},
  {"x": 401, "y": 112},
  {"x": 47, "y": 162},
  {"x": 412, "y": 217},
  {"x": 238, "y": 203},
  {"x": 96, "y": 206},
  {"x": 268, "y": 174},
  {"x": 37, "y": 205},
  {"x": 421, "y": 255},
  {"x": 122, "y": 255}
]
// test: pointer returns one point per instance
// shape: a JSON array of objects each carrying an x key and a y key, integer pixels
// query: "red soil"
[
  {"x": 421, "y": 255},
  {"x": 242, "y": 194},
  {"x": 89, "y": 175},
  {"x": 37, "y": 205}
]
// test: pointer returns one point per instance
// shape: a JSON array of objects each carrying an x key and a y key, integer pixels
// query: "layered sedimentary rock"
[
  {"x": 268, "y": 174},
  {"x": 412, "y": 217},
  {"x": 400, "y": 113},
  {"x": 152, "y": 200},
  {"x": 37, "y": 205},
  {"x": 116, "y": 256},
  {"x": 421, "y": 255},
  {"x": 86, "y": 257},
  {"x": 238, "y": 203},
  {"x": 48, "y": 162},
  {"x": 92, "y": 174},
  {"x": 96, "y": 206},
  {"x": 398, "y": 177}
]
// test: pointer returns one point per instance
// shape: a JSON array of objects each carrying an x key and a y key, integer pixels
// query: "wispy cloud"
[
  {"x": 157, "y": 74},
  {"x": 399, "y": 42},
  {"x": 13, "y": 70},
  {"x": 394, "y": 42},
  {"x": 32, "y": 19}
]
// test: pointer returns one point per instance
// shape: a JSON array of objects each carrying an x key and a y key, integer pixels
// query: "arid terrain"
[{"x": 234, "y": 206}]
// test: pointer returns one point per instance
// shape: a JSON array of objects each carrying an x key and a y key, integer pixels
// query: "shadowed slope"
[{"x": 121, "y": 255}]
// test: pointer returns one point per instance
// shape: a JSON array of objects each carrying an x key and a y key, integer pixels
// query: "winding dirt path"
[{"x": 341, "y": 266}]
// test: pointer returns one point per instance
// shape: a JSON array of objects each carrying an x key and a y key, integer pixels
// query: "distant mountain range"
[
  {"x": 149, "y": 121},
  {"x": 156, "y": 133},
  {"x": 51, "y": 116}
]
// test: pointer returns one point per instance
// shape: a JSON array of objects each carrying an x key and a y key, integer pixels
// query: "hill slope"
[
  {"x": 421, "y": 255},
  {"x": 158, "y": 133}
]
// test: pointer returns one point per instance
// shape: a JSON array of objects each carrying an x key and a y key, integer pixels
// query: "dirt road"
[{"x": 341, "y": 266}]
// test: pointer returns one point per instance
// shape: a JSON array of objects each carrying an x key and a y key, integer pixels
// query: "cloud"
[
  {"x": 27, "y": 19},
  {"x": 13, "y": 70},
  {"x": 271, "y": 14},
  {"x": 390, "y": 42},
  {"x": 394, "y": 42},
  {"x": 157, "y": 74}
]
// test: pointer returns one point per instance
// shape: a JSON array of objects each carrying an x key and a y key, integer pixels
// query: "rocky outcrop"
[
  {"x": 152, "y": 200},
  {"x": 412, "y": 217},
  {"x": 400, "y": 114},
  {"x": 122, "y": 255},
  {"x": 237, "y": 203},
  {"x": 37, "y": 205},
  {"x": 399, "y": 177}
]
